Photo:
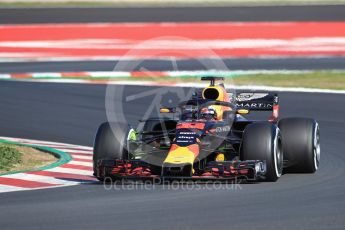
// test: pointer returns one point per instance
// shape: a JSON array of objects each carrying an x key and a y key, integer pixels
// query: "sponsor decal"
[
  {"x": 190, "y": 125},
  {"x": 184, "y": 138},
  {"x": 250, "y": 96},
  {"x": 187, "y": 133},
  {"x": 223, "y": 129},
  {"x": 254, "y": 105}
]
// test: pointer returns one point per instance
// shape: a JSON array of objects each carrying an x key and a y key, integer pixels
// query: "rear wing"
[{"x": 257, "y": 101}]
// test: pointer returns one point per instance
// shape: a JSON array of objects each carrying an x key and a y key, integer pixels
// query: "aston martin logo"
[{"x": 250, "y": 96}]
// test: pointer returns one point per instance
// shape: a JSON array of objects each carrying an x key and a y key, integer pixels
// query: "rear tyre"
[
  {"x": 110, "y": 144},
  {"x": 301, "y": 144},
  {"x": 262, "y": 141}
]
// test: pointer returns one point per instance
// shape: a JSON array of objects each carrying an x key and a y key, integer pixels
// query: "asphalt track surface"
[
  {"x": 206, "y": 14},
  {"x": 71, "y": 113},
  {"x": 324, "y": 63}
]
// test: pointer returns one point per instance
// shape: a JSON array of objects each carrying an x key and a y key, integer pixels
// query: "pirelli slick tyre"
[
  {"x": 262, "y": 141},
  {"x": 110, "y": 143},
  {"x": 301, "y": 144}
]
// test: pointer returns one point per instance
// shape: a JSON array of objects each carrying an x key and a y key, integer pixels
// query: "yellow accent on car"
[
  {"x": 220, "y": 157},
  {"x": 243, "y": 111},
  {"x": 217, "y": 93},
  {"x": 214, "y": 93},
  {"x": 180, "y": 155},
  {"x": 164, "y": 110}
]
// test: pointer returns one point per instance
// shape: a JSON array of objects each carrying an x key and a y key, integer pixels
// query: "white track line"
[
  {"x": 86, "y": 157},
  {"x": 197, "y": 85},
  {"x": 76, "y": 162},
  {"x": 8, "y": 188},
  {"x": 38, "y": 178},
  {"x": 72, "y": 171}
]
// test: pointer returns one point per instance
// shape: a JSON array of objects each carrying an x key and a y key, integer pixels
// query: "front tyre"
[
  {"x": 111, "y": 143},
  {"x": 262, "y": 141},
  {"x": 301, "y": 144}
]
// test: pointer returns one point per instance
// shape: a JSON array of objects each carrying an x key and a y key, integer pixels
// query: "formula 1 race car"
[{"x": 212, "y": 138}]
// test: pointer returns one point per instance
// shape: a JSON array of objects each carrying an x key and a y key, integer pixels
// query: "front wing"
[{"x": 225, "y": 170}]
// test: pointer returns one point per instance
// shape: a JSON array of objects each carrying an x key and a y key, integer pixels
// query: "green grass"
[
  {"x": 9, "y": 156},
  {"x": 320, "y": 80},
  {"x": 15, "y": 158}
]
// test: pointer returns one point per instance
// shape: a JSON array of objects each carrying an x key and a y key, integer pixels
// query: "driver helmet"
[{"x": 208, "y": 113}]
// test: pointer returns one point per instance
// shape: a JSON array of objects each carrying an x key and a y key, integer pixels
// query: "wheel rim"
[
  {"x": 278, "y": 155},
  {"x": 317, "y": 150}
]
